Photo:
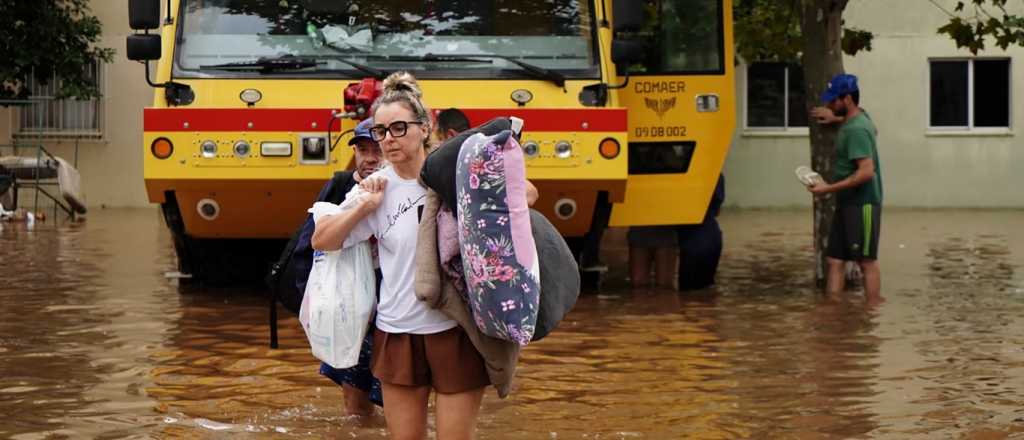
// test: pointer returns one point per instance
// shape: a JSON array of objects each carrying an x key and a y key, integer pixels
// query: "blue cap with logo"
[
  {"x": 841, "y": 84},
  {"x": 362, "y": 131}
]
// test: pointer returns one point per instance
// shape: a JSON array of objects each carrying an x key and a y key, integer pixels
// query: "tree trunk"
[{"x": 821, "y": 24}]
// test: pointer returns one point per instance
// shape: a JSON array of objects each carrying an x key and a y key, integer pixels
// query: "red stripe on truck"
[
  {"x": 304, "y": 120},
  {"x": 220, "y": 119},
  {"x": 589, "y": 120}
]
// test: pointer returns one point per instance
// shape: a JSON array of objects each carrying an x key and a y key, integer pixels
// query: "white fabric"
[
  {"x": 396, "y": 225},
  {"x": 343, "y": 37},
  {"x": 339, "y": 299},
  {"x": 70, "y": 182}
]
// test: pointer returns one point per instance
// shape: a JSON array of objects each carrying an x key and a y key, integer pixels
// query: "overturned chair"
[{"x": 39, "y": 170}]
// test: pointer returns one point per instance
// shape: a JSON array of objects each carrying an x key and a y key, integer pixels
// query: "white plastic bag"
[{"x": 339, "y": 299}]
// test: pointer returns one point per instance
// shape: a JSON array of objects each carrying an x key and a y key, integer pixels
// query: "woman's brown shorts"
[{"x": 446, "y": 360}]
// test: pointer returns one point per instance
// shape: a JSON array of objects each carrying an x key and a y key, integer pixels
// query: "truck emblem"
[{"x": 660, "y": 106}]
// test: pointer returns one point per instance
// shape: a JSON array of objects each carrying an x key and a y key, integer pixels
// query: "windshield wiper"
[
  {"x": 433, "y": 58},
  {"x": 267, "y": 65},
  {"x": 536, "y": 71},
  {"x": 376, "y": 73}
]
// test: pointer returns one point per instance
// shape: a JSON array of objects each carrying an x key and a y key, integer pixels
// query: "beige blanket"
[{"x": 437, "y": 290}]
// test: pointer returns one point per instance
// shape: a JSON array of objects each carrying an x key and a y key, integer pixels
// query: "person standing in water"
[
  {"x": 857, "y": 182},
  {"x": 417, "y": 349}
]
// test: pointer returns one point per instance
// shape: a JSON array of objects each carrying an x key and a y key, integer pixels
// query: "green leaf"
[
  {"x": 971, "y": 31},
  {"x": 47, "y": 38}
]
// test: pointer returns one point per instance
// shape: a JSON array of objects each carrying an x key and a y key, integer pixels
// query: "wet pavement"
[{"x": 97, "y": 343}]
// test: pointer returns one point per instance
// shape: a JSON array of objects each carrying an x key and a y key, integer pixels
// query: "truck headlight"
[
  {"x": 530, "y": 149},
  {"x": 563, "y": 149},
  {"x": 276, "y": 149},
  {"x": 208, "y": 149},
  {"x": 242, "y": 149}
]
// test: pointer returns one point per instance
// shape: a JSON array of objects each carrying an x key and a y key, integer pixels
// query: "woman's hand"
[
  {"x": 332, "y": 231},
  {"x": 374, "y": 187}
]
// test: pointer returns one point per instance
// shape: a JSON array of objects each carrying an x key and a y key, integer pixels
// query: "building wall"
[
  {"x": 5, "y": 125},
  {"x": 111, "y": 167},
  {"x": 920, "y": 168}
]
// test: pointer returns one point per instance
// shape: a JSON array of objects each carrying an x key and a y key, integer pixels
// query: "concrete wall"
[{"x": 920, "y": 168}]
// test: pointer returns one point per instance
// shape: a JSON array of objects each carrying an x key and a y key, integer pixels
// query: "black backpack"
[{"x": 287, "y": 277}]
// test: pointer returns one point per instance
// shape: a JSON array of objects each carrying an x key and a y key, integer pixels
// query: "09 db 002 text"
[{"x": 660, "y": 131}]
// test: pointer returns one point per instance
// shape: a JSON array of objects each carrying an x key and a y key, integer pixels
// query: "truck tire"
[
  {"x": 182, "y": 247},
  {"x": 587, "y": 248},
  {"x": 218, "y": 262}
]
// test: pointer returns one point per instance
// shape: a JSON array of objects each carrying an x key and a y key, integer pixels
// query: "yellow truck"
[{"x": 628, "y": 106}]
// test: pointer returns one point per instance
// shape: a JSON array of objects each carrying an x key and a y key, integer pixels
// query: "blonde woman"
[{"x": 416, "y": 348}]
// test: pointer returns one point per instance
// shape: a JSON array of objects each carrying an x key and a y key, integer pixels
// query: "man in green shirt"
[{"x": 857, "y": 182}]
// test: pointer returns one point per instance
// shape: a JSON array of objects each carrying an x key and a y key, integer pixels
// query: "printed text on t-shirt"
[{"x": 403, "y": 207}]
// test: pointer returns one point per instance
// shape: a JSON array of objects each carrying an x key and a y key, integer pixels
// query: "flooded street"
[{"x": 97, "y": 343}]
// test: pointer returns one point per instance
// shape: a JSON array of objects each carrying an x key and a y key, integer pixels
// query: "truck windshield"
[
  {"x": 461, "y": 39},
  {"x": 681, "y": 37}
]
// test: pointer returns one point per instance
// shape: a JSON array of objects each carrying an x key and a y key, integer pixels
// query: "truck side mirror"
[
  {"x": 594, "y": 95},
  {"x": 628, "y": 15},
  {"x": 626, "y": 52},
  {"x": 143, "y": 47},
  {"x": 143, "y": 14}
]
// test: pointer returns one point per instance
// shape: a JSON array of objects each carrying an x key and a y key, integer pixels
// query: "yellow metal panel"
[{"x": 663, "y": 108}]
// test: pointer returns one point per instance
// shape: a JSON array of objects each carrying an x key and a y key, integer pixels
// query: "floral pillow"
[{"x": 499, "y": 255}]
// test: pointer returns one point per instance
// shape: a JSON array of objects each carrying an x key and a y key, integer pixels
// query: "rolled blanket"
[{"x": 498, "y": 252}]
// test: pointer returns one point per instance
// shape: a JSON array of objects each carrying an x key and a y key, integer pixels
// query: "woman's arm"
[{"x": 331, "y": 231}]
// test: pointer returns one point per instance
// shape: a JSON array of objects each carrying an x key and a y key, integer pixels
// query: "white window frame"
[
  {"x": 61, "y": 130},
  {"x": 969, "y": 129},
  {"x": 784, "y": 130}
]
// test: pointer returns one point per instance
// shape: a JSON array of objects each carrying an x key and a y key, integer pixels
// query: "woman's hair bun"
[{"x": 402, "y": 82}]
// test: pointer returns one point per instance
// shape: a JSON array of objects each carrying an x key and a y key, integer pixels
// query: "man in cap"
[
  {"x": 857, "y": 182},
  {"x": 368, "y": 157}
]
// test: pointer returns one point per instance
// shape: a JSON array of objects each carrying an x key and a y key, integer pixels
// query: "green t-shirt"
[{"x": 857, "y": 139}]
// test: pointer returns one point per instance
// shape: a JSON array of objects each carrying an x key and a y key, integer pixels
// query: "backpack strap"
[
  {"x": 278, "y": 279},
  {"x": 341, "y": 183}
]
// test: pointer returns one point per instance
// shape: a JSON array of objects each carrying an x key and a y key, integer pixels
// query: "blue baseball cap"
[
  {"x": 841, "y": 84},
  {"x": 362, "y": 131}
]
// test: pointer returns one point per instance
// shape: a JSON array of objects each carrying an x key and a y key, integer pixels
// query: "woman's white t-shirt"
[{"x": 395, "y": 223}]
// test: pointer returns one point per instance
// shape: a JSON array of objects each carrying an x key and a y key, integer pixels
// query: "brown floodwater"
[{"x": 97, "y": 343}]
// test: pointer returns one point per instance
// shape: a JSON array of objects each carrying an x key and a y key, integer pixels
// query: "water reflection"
[
  {"x": 811, "y": 374},
  {"x": 624, "y": 359},
  {"x": 97, "y": 343},
  {"x": 972, "y": 358},
  {"x": 71, "y": 324},
  {"x": 219, "y": 374}
]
